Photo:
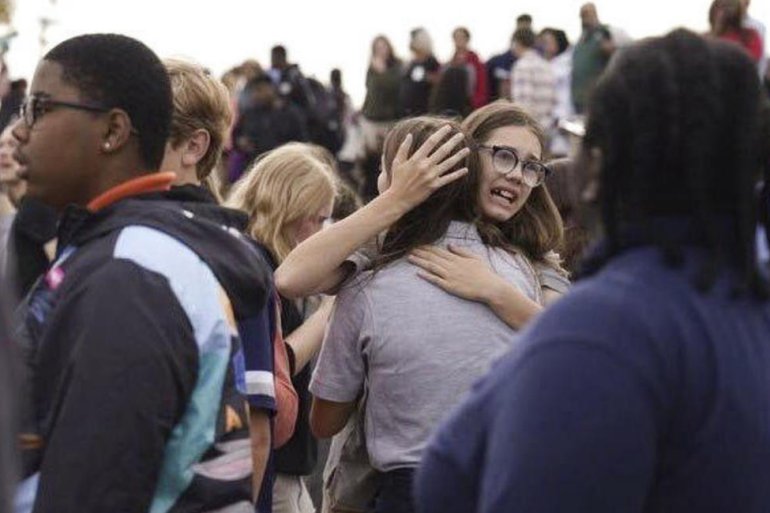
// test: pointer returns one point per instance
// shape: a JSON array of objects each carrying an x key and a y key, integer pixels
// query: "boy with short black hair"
[{"x": 136, "y": 397}]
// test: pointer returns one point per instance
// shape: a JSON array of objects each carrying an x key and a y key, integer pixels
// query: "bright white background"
[{"x": 323, "y": 34}]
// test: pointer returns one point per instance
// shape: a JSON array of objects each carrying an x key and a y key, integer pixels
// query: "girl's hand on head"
[
  {"x": 413, "y": 179},
  {"x": 457, "y": 271}
]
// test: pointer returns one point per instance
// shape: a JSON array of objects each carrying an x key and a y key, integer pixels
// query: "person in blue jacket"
[{"x": 647, "y": 388}]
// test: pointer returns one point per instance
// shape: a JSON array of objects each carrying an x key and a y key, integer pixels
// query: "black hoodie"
[
  {"x": 133, "y": 344},
  {"x": 299, "y": 455}
]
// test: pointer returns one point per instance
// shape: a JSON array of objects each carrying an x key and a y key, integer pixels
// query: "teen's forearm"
[
  {"x": 316, "y": 265},
  {"x": 261, "y": 445},
  {"x": 306, "y": 340},
  {"x": 510, "y": 305}
]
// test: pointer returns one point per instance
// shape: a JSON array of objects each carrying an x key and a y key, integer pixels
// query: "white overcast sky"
[{"x": 324, "y": 34}]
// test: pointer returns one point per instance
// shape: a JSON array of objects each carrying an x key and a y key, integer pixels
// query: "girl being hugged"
[
  {"x": 504, "y": 198},
  {"x": 484, "y": 235}
]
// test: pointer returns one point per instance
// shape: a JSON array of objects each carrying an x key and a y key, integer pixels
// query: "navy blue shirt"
[
  {"x": 635, "y": 393},
  {"x": 498, "y": 69}
]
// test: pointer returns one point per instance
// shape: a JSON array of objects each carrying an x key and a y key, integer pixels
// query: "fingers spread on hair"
[
  {"x": 403, "y": 150},
  {"x": 432, "y": 141},
  {"x": 453, "y": 161},
  {"x": 447, "y": 148},
  {"x": 450, "y": 177}
]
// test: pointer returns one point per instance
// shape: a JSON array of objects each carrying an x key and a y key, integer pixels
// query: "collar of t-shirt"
[{"x": 464, "y": 231}]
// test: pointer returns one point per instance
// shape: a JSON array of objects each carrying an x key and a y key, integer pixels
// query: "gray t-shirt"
[
  {"x": 418, "y": 348},
  {"x": 548, "y": 276}
]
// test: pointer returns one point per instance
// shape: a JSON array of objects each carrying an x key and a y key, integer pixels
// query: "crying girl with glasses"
[
  {"x": 445, "y": 289},
  {"x": 505, "y": 199}
]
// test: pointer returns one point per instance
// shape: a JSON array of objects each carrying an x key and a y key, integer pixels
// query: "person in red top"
[
  {"x": 477, "y": 74},
  {"x": 726, "y": 20}
]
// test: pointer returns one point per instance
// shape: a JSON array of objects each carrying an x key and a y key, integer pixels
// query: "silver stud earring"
[{"x": 107, "y": 146}]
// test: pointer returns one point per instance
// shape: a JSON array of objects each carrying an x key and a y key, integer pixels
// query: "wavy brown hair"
[{"x": 537, "y": 229}]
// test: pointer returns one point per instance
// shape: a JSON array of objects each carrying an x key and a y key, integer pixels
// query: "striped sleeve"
[{"x": 256, "y": 337}]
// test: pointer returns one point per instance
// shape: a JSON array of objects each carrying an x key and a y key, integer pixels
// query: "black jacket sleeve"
[{"x": 130, "y": 371}]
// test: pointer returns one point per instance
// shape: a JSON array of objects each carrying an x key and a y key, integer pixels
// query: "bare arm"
[
  {"x": 306, "y": 340},
  {"x": 510, "y": 305},
  {"x": 327, "y": 418},
  {"x": 317, "y": 264},
  {"x": 285, "y": 396},
  {"x": 261, "y": 445}
]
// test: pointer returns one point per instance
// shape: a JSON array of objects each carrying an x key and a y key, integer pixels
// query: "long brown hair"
[
  {"x": 537, "y": 229},
  {"x": 392, "y": 58}
]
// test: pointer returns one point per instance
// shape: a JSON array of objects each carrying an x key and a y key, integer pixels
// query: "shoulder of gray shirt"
[{"x": 551, "y": 277}]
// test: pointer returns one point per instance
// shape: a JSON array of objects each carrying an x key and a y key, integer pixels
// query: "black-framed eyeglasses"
[
  {"x": 34, "y": 107},
  {"x": 505, "y": 159}
]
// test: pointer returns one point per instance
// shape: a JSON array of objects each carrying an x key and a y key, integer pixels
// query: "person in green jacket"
[{"x": 591, "y": 55}]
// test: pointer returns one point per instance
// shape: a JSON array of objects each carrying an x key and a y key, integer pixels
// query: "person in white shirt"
[
  {"x": 532, "y": 82},
  {"x": 558, "y": 53}
]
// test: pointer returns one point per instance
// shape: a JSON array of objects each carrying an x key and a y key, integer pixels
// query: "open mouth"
[{"x": 506, "y": 195}]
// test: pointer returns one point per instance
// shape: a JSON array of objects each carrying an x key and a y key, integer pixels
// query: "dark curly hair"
[
  {"x": 676, "y": 121},
  {"x": 120, "y": 72}
]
